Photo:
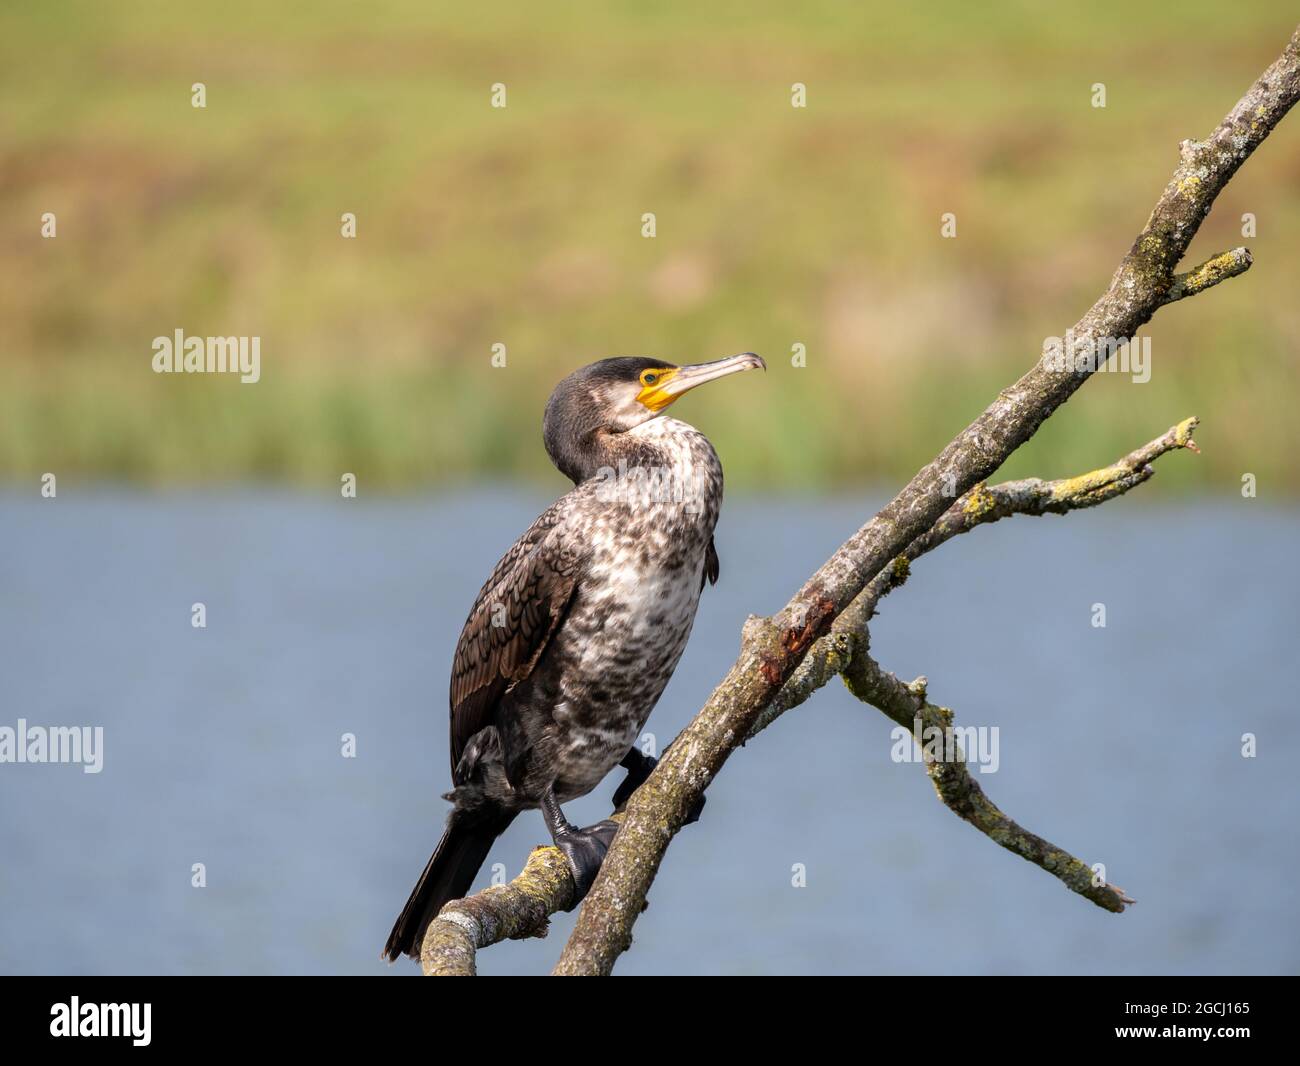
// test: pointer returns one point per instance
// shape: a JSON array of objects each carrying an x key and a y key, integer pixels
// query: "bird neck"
[
  {"x": 580, "y": 457},
  {"x": 660, "y": 444},
  {"x": 665, "y": 468}
]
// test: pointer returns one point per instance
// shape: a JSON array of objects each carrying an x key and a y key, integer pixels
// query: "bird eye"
[{"x": 648, "y": 378}]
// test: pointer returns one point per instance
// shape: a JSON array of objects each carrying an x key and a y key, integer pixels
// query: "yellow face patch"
[{"x": 652, "y": 393}]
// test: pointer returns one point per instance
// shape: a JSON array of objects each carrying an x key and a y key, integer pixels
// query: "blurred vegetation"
[{"x": 522, "y": 226}]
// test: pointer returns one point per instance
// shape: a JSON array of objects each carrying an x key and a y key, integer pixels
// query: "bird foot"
[
  {"x": 585, "y": 849},
  {"x": 639, "y": 768}
]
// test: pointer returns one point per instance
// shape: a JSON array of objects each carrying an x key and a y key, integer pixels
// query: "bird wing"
[{"x": 518, "y": 609}]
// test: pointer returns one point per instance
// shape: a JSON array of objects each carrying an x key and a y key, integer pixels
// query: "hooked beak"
[{"x": 683, "y": 379}]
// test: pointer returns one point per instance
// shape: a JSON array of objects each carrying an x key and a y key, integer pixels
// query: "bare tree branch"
[
  {"x": 908, "y": 706},
  {"x": 773, "y": 650},
  {"x": 845, "y": 651},
  {"x": 1223, "y": 266},
  {"x": 822, "y": 631},
  {"x": 504, "y": 912},
  {"x": 832, "y": 653}
]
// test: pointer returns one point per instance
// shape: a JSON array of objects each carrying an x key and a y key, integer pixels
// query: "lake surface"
[{"x": 326, "y": 617}]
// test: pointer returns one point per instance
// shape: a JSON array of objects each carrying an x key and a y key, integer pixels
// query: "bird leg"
[
  {"x": 638, "y": 769},
  {"x": 584, "y": 848}
]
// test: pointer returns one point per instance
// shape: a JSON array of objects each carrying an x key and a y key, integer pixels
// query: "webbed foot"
[{"x": 585, "y": 849}]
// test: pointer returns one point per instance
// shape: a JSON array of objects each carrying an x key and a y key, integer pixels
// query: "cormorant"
[{"x": 578, "y": 629}]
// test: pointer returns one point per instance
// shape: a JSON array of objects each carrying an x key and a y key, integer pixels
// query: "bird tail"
[{"x": 448, "y": 875}]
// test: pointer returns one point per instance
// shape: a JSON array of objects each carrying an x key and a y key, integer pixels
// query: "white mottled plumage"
[{"x": 636, "y": 604}]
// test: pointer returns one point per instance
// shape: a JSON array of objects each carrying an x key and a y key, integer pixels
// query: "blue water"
[{"x": 330, "y": 616}]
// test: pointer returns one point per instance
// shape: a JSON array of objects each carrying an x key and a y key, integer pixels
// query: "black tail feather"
[{"x": 448, "y": 875}]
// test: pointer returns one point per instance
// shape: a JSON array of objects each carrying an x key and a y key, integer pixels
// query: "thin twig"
[{"x": 960, "y": 792}]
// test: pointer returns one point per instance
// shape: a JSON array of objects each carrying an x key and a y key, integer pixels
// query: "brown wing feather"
[
  {"x": 516, "y": 611},
  {"x": 528, "y": 540}
]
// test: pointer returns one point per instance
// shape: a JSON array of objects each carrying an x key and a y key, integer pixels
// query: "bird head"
[{"x": 616, "y": 395}]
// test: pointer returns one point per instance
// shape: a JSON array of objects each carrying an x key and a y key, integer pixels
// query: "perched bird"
[{"x": 578, "y": 629}]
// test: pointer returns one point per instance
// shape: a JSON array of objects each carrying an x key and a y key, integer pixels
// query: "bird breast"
[{"x": 636, "y": 602}]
